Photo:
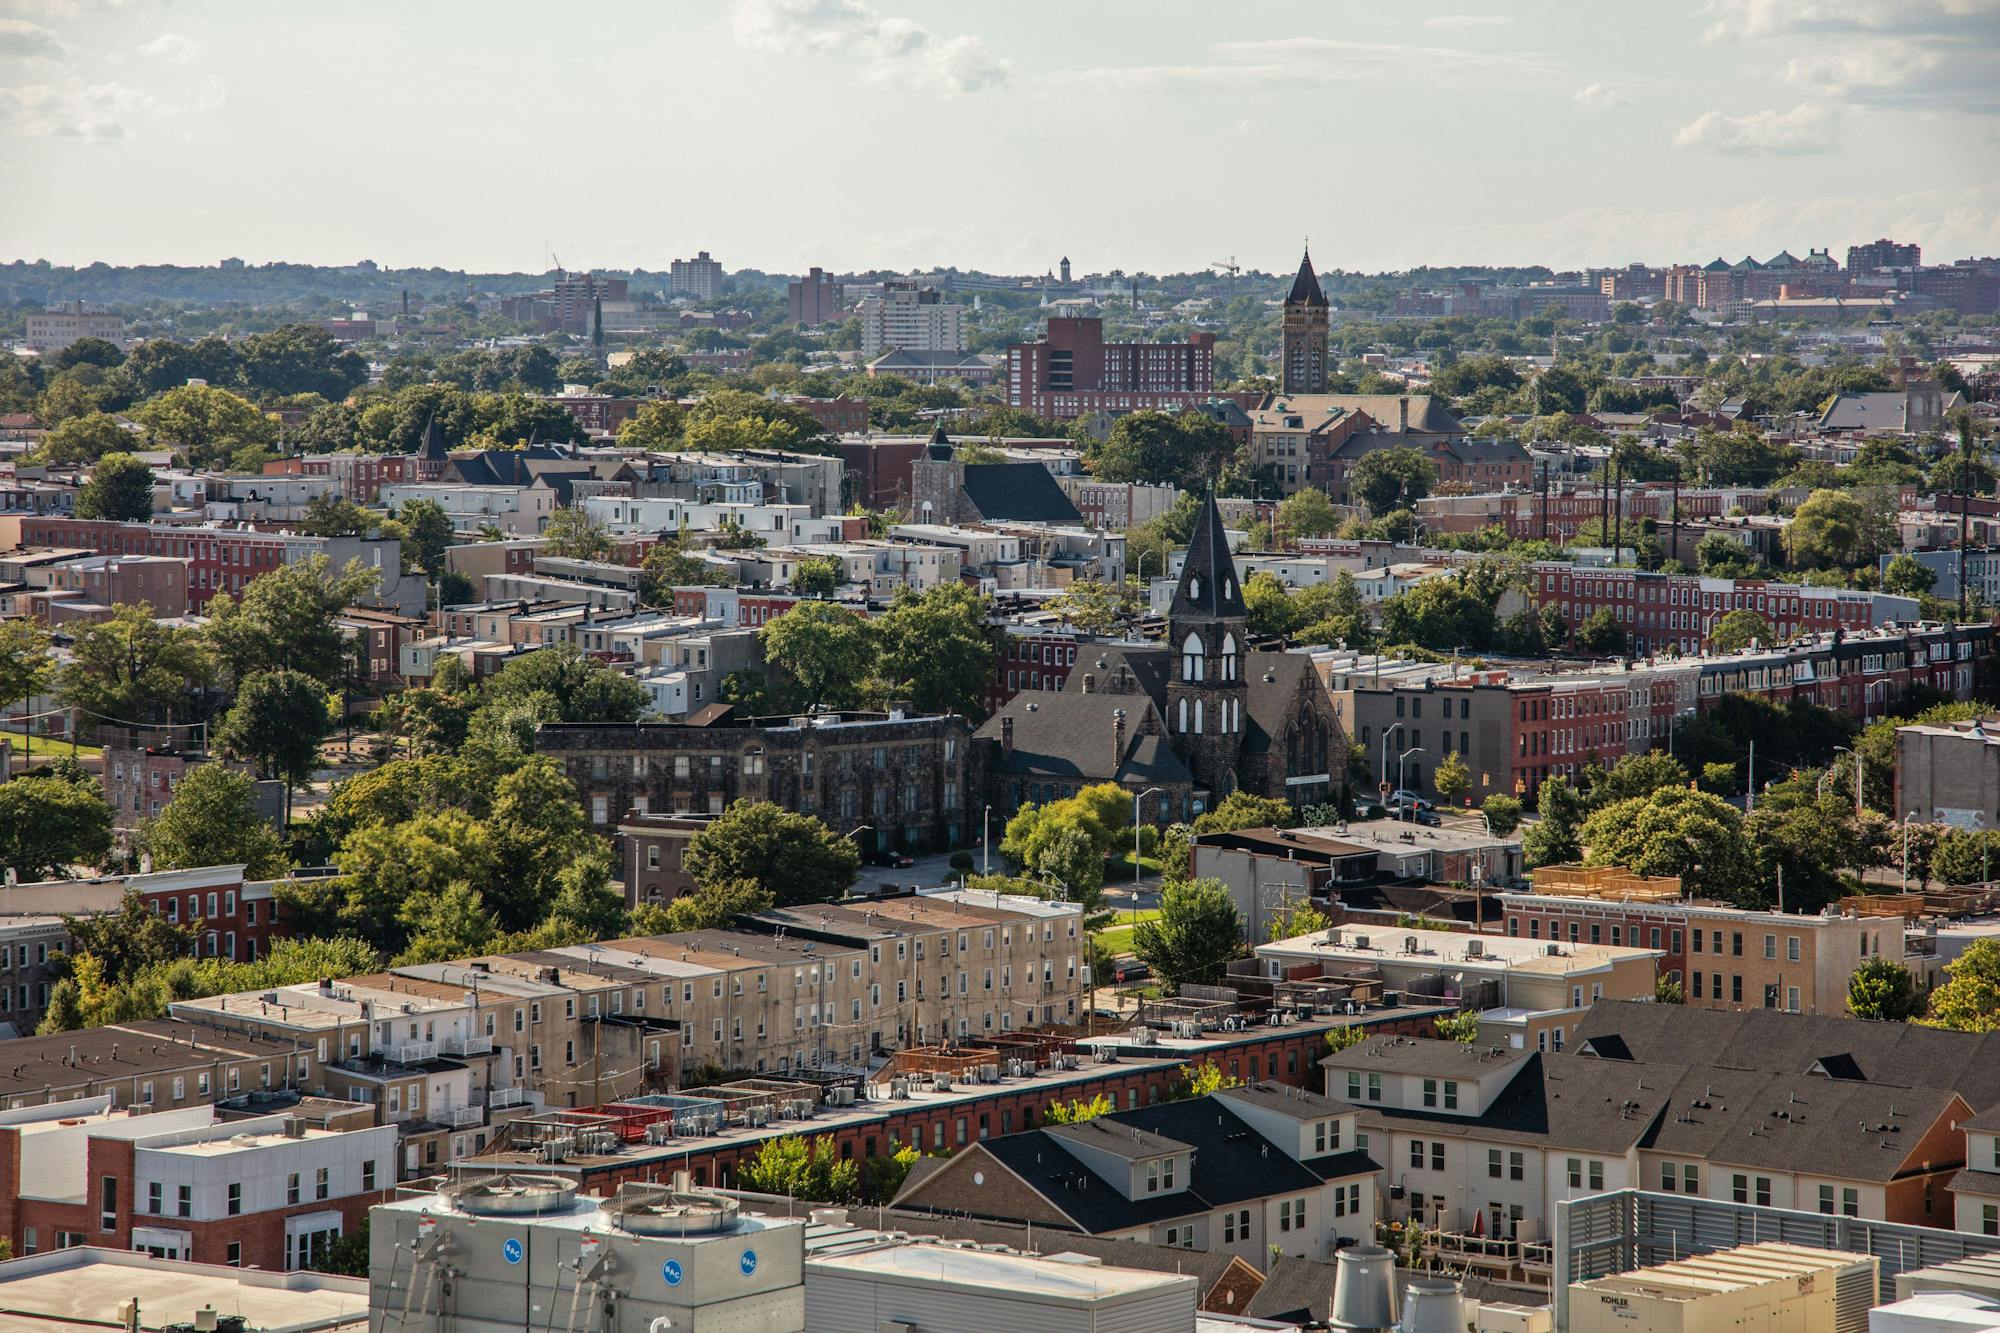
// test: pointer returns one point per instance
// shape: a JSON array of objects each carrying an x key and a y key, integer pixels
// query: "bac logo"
[
  {"x": 512, "y": 1251},
  {"x": 671, "y": 1271},
  {"x": 749, "y": 1262}
]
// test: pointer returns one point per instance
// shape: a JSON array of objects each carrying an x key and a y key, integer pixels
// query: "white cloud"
[
  {"x": 1771, "y": 18},
  {"x": 63, "y": 8},
  {"x": 896, "y": 50},
  {"x": 1929, "y": 55},
  {"x": 1598, "y": 97},
  {"x": 171, "y": 47},
  {"x": 24, "y": 40},
  {"x": 1292, "y": 63},
  {"x": 72, "y": 109},
  {"x": 1806, "y": 128},
  {"x": 1469, "y": 21}
]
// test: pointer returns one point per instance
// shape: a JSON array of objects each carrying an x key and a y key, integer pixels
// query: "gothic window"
[
  {"x": 1191, "y": 654},
  {"x": 1194, "y": 587},
  {"x": 1229, "y": 657},
  {"x": 1198, "y": 727},
  {"x": 1184, "y": 712}
]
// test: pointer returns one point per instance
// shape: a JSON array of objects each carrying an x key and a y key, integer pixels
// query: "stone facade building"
[{"x": 899, "y": 773}]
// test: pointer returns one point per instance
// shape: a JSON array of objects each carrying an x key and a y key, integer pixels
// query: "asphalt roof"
[
  {"x": 1105, "y": 1135},
  {"x": 1896, "y": 1054},
  {"x": 1425, "y": 1055},
  {"x": 1026, "y": 492},
  {"x": 1298, "y": 1103},
  {"x": 1068, "y": 734}
]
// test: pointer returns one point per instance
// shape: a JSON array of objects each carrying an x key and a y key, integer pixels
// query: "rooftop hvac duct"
[
  {"x": 512, "y": 1194},
  {"x": 1435, "y": 1305},
  {"x": 1364, "y": 1288}
]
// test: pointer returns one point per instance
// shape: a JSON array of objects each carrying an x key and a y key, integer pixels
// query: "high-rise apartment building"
[
  {"x": 700, "y": 277},
  {"x": 1072, "y": 370},
  {"x": 1883, "y": 254},
  {"x": 1302, "y": 348},
  {"x": 813, "y": 300},
  {"x": 53, "y": 330},
  {"x": 907, "y": 317}
]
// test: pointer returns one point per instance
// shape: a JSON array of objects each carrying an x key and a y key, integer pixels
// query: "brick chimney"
[{"x": 1006, "y": 735}]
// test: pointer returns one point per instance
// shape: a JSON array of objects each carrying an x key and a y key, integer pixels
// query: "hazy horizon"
[{"x": 907, "y": 134}]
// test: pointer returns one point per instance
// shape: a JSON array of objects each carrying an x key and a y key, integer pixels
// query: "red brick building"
[
  {"x": 1073, "y": 371},
  {"x": 597, "y": 413},
  {"x": 878, "y": 470},
  {"x": 1032, "y": 660},
  {"x": 1680, "y": 611},
  {"x": 840, "y": 416},
  {"x": 271, "y": 1192},
  {"x": 235, "y": 919}
]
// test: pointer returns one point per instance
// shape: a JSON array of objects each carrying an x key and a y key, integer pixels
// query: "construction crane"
[{"x": 1229, "y": 265}]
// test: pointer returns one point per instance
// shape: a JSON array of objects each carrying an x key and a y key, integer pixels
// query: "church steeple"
[
  {"x": 1208, "y": 589},
  {"x": 1302, "y": 336}
]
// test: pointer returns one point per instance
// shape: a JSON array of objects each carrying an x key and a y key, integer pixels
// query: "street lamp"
[
  {"x": 985, "y": 847},
  {"x": 1868, "y": 697},
  {"x": 1136, "y": 868},
  {"x": 1858, "y": 769}
]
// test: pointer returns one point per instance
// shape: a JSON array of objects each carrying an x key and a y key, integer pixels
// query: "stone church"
[{"x": 1198, "y": 717}]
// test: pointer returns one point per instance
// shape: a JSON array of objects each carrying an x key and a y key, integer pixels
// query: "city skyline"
[{"x": 759, "y": 131}]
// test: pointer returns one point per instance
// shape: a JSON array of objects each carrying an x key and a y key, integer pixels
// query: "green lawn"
[
  {"x": 1117, "y": 938},
  {"x": 48, "y": 747}
]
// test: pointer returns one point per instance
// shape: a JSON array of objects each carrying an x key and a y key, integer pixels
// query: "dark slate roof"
[
  {"x": 1149, "y": 669},
  {"x": 1897, "y": 1054},
  {"x": 1232, "y": 1164},
  {"x": 433, "y": 446},
  {"x": 1271, "y": 700},
  {"x": 1579, "y": 1105},
  {"x": 1208, "y": 588},
  {"x": 940, "y": 445},
  {"x": 1068, "y": 734},
  {"x": 1968, "y": 1181},
  {"x": 1026, "y": 492},
  {"x": 1305, "y": 287},
  {"x": 1481, "y": 449},
  {"x": 1298, "y": 1103},
  {"x": 1105, "y": 1135}
]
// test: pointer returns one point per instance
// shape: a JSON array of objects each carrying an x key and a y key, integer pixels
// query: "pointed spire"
[
  {"x": 940, "y": 448},
  {"x": 1305, "y": 287},
  {"x": 1208, "y": 588},
  {"x": 597, "y": 323},
  {"x": 433, "y": 449}
]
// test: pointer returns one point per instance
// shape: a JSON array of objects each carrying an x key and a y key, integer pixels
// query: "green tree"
[
  {"x": 1829, "y": 531},
  {"x": 426, "y": 532},
  {"x": 1884, "y": 991},
  {"x": 395, "y": 877},
  {"x": 710, "y": 907},
  {"x": 1721, "y": 556},
  {"x": 81, "y": 441},
  {"x": 1099, "y": 608},
  {"x": 1291, "y": 922},
  {"x": 1675, "y": 831},
  {"x": 1460, "y": 1027},
  {"x": 444, "y": 922},
  {"x": 1387, "y": 479},
  {"x": 1342, "y": 1038},
  {"x": 657, "y": 425},
  {"x": 797, "y": 857},
  {"x": 287, "y": 620},
  {"x": 824, "y": 649},
  {"x": 26, "y": 669},
  {"x": 668, "y": 565},
  {"x": 1503, "y": 813},
  {"x": 1738, "y": 630},
  {"x": 50, "y": 823},
  {"x": 213, "y": 821},
  {"x": 1271, "y": 611},
  {"x": 1952, "y": 470},
  {"x": 1200, "y": 1080},
  {"x": 210, "y": 427},
  {"x": 1905, "y": 576},
  {"x": 1340, "y": 617},
  {"x": 129, "y": 940},
  {"x": 1668, "y": 990},
  {"x": 130, "y": 668},
  {"x": 573, "y": 534},
  {"x": 579, "y": 687},
  {"x": 1970, "y": 1000},
  {"x": 279, "y": 720},
  {"x": 1196, "y": 934},
  {"x": 815, "y": 576},
  {"x": 1075, "y": 1111},
  {"x": 1307, "y": 513},
  {"x": 1553, "y": 839},
  {"x": 331, "y": 515},
  {"x": 120, "y": 488},
  {"x": 300, "y": 358},
  {"x": 1600, "y": 634},
  {"x": 936, "y": 650},
  {"x": 1187, "y": 451},
  {"x": 1451, "y": 778}
]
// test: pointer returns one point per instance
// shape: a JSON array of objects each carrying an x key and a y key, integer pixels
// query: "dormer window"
[{"x": 1194, "y": 586}]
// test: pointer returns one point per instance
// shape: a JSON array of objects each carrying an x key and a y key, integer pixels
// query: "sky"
[{"x": 1144, "y": 135}]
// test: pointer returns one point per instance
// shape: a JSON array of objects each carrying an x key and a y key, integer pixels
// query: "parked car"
[
  {"x": 1370, "y": 810},
  {"x": 1428, "y": 818},
  {"x": 1402, "y": 797},
  {"x": 895, "y": 860},
  {"x": 1130, "y": 969}
]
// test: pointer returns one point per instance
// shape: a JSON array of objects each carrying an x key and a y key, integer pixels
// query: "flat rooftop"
[
  {"x": 1041, "y": 1279},
  {"x": 79, "y": 1291},
  {"x": 1497, "y": 953}
]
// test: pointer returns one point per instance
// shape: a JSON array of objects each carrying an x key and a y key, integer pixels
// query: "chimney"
[
  {"x": 1006, "y": 735},
  {"x": 1117, "y": 739},
  {"x": 1089, "y": 681},
  {"x": 1403, "y": 411}
]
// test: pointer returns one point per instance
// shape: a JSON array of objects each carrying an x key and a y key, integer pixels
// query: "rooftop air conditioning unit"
[{"x": 1475, "y": 948}]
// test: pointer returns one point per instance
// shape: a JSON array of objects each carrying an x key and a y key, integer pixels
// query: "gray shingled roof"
[
  {"x": 1024, "y": 492},
  {"x": 1068, "y": 735}
]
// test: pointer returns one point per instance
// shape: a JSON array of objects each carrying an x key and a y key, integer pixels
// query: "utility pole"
[
  {"x": 1545, "y": 499},
  {"x": 1617, "y": 509},
  {"x": 1964, "y": 501},
  {"x": 1676, "y": 516},
  {"x": 1750, "y": 786}
]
